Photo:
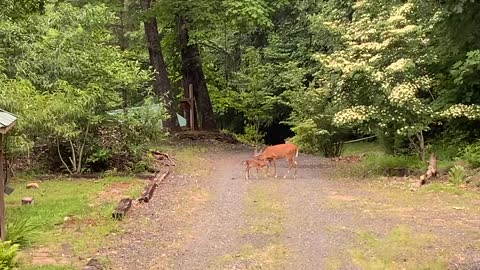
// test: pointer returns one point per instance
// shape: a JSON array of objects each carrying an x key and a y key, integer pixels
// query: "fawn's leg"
[
  {"x": 247, "y": 172},
  {"x": 268, "y": 167}
]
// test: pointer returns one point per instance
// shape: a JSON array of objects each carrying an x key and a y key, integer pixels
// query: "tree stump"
[
  {"x": 431, "y": 172},
  {"x": 27, "y": 200},
  {"x": 122, "y": 208}
]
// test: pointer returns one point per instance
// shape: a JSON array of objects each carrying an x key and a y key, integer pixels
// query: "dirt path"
[{"x": 221, "y": 221}]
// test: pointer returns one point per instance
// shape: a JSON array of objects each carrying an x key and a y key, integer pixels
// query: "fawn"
[{"x": 258, "y": 164}]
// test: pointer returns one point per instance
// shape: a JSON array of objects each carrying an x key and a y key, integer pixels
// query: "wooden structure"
[
  {"x": 7, "y": 122},
  {"x": 189, "y": 107}
]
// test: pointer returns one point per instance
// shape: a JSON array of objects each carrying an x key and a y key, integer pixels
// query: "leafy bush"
[
  {"x": 98, "y": 160},
  {"x": 313, "y": 139},
  {"x": 471, "y": 154},
  {"x": 20, "y": 230},
  {"x": 457, "y": 175},
  {"x": 128, "y": 135},
  {"x": 252, "y": 136},
  {"x": 8, "y": 254},
  {"x": 379, "y": 163}
]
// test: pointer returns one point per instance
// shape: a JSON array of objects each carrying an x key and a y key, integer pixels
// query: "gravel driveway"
[{"x": 222, "y": 221}]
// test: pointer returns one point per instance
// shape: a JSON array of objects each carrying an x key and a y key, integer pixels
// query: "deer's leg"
[
  {"x": 247, "y": 172},
  {"x": 289, "y": 160},
  {"x": 275, "y": 167},
  {"x": 257, "y": 173},
  {"x": 295, "y": 163}
]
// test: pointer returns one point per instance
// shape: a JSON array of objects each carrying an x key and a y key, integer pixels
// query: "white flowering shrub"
[
  {"x": 471, "y": 112},
  {"x": 382, "y": 85},
  {"x": 354, "y": 116}
]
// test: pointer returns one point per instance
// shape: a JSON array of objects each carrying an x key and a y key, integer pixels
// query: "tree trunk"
[
  {"x": 162, "y": 83},
  {"x": 193, "y": 74}
]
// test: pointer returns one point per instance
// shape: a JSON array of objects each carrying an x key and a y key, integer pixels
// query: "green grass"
[
  {"x": 264, "y": 212},
  {"x": 362, "y": 148},
  {"x": 57, "y": 199},
  {"x": 48, "y": 267},
  {"x": 378, "y": 163},
  {"x": 88, "y": 213},
  {"x": 401, "y": 248},
  {"x": 265, "y": 216}
]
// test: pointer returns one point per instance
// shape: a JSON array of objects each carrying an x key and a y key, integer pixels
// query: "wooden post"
[
  {"x": 3, "y": 230},
  {"x": 192, "y": 109}
]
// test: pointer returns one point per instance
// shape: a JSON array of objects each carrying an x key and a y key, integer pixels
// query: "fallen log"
[
  {"x": 431, "y": 172},
  {"x": 122, "y": 208},
  {"x": 159, "y": 178},
  {"x": 150, "y": 188},
  {"x": 148, "y": 192},
  {"x": 93, "y": 264}
]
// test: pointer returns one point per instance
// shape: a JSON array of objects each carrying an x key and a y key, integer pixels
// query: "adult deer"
[{"x": 287, "y": 150}]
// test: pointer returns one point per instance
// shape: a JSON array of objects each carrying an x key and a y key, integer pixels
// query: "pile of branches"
[{"x": 348, "y": 159}]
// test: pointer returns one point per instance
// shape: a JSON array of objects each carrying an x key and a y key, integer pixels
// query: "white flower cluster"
[
  {"x": 375, "y": 59},
  {"x": 400, "y": 65},
  {"x": 373, "y": 46},
  {"x": 403, "y": 95},
  {"x": 359, "y": 4},
  {"x": 405, "y": 9},
  {"x": 353, "y": 115},
  {"x": 404, "y": 30},
  {"x": 407, "y": 130},
  {"x": 396, "y": 19},
  {"x": 424, "y": 82},
  {"x": 437, "y": 17},
  {"x": 472, "y": 112}
]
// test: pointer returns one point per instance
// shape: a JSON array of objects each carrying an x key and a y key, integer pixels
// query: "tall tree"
[
  {"x": 193, "y": 74},
  {"x": 162, "y": 85}
]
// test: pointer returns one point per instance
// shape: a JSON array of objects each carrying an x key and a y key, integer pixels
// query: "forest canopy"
[{"x": 323, "y": 72}]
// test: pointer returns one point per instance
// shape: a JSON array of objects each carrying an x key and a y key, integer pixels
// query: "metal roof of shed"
[{"x": 7, "y": 121}]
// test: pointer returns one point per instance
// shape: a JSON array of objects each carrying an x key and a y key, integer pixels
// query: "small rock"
[{"x": 33, "y": 186}]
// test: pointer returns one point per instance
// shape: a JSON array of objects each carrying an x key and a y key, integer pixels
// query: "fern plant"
[
  {"x": 20, "y": 230},
  {"x": 457, "y": 175},
  {"x": 8, "y": 255}
]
